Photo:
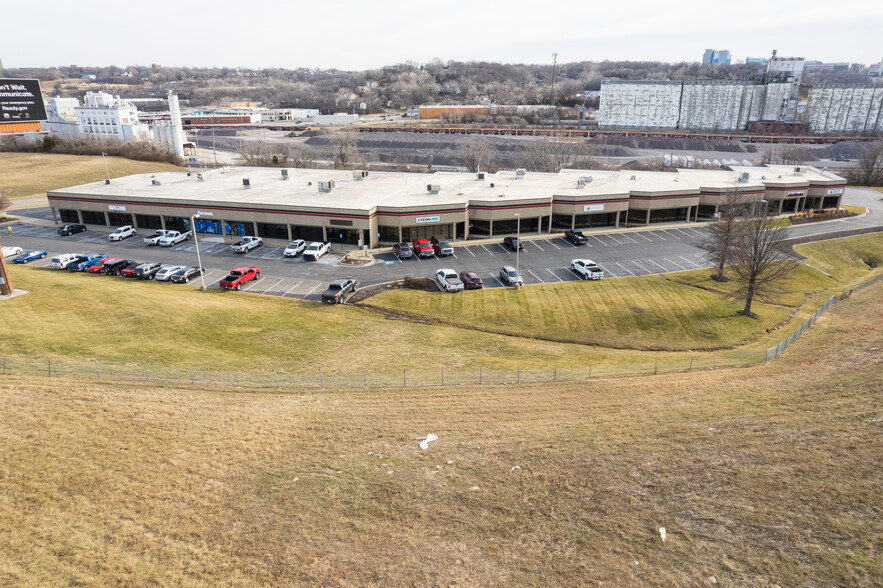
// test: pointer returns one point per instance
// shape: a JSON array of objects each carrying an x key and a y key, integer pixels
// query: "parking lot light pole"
[
  {"x": 198, "y": 258},
  {"x": 518, "y": 246}
]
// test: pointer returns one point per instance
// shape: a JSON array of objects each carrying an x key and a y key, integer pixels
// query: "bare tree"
[
  {"x": 722, "y": 234},
  {"x": 554, "y": 155},
  {"x": 475, "y": 154},
  {"x": 262, "y": 154},
  {"x": 346, "y": 148},
  {"x": 5, "y": 202},
  {"x": 868, "y": 170},
  {"x": 757, "y": 262},
  {"x": 788, "y": 155}
]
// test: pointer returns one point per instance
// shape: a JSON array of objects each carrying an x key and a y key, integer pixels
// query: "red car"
[
  {"x": 129, "y": 270},
  {"x": 471, "y": 280},
  {"x": 422, "y": 247},
  {"x": 239, "y": 276},
  {"x": 98, "y": 266}
]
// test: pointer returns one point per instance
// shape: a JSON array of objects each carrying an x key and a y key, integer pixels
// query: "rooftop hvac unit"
[
  {"x": 634, "y": 177},
  {"x": 520, "y": 173},
  {"x": 200, "y": 178},
  {"x": 433, "y": 188},
  {"x": 284, "y": 174},
  {"x": 581, "y": 183},
  {"x": 360, "y": 174},
  {"x": 326, "y": 186},
  {"x": 743, "y": 177},
  {"x": 492, "y": 184},
  {"x": 480, "y": 175},
  {"x": 246, "y": 183},
  {"x": 156, "y": 182}
]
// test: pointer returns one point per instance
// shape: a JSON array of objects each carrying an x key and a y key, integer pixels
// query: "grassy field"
[
  {"x": 761, "y": 476},
  {"x": 28, "y": 174},
  {"x": 683, "y": 311}
]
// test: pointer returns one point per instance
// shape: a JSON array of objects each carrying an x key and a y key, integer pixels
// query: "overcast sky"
[{"x": 364, "y": 35}]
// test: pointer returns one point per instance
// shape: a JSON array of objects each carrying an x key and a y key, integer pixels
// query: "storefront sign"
[
  {"x": 203, "y": 213},
  {"x": 428, "y": 219},
  {"x": 795, "y": 193},
  {"x": 593, "y": 207},
  {"x": 116, "y": 208},
  {"x": 835, "y": 191}
]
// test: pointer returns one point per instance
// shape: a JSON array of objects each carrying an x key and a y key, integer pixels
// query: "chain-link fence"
[{"x": 285, "y": 378}]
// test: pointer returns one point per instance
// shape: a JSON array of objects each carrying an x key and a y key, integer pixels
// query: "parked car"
[
  {"x": 97, "y": 267},
  {"x": 338, "y": 290},
  {"x": 295, "y": 248},
  {"x": 129, "y": 270},
  {"x": 316, "y": 249},
  {"x": 146, "y": 271},
  {"x": 84, "y": 261},
  {"x": 471, "y": 280},
  {"x": 246, "y": 244},
  {"x": 576, "y": 237},
  {"x": 184, "y": 275},
  {"x": 239, "y": 276},
  {"x": 114, "y": 267},
  {"x": 422, "y": 247},
  {"x": 70, "y": 229},
  {"x": 30, "y": 256},
  {"x": 402, "y": 251},
  {"x": 510, "y": 276},
  {"x": 441, "y": 247},
  {"x": 165, "y": 272},
  {"x": 174, "y": 237},
  {"x": 121, "y": 233},
  {"x": 63, "y": 260},
  {"x": 587, "y": 269},
  {"x": 155, "y": 237},
  {"x": 449, "y": 280},
  {"x": 9, "y": 251},
  {"x": 513, "y": 243}
]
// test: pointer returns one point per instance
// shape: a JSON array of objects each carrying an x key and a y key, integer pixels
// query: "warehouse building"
[{"x": 355, "y": 208}]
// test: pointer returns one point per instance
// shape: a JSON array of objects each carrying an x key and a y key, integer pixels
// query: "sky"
[{"x": 353, "y": 35}]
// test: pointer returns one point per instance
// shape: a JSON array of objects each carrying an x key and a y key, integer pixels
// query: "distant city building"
[
  {"x": 715, "y": 57},
  {"x": 104, "y": 116},
  {"x": 759, "y": 60},
  {"x": 61, "y": 119}
]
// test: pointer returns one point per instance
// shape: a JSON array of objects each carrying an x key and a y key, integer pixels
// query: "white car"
[
  {"x": 295, "y": 248},
  {"x": 316, "y": 249},
  {"x": 122, "y": 233},
  {"x": 7, "y": 251},
  {"x": 587, "y": 269},
  {"x": 165, "y": 272},
  {"x": 449, "y": 280},
  {"x": 63, "y": 260}
]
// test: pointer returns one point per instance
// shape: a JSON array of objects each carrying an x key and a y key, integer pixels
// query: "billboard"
[{"x": 21, "y": 101}]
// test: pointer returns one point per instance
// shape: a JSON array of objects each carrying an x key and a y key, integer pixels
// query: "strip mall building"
[{"x": 360, "y": 208}]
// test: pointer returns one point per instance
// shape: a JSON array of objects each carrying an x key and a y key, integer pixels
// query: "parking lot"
[{"x": 542, "y": 261}]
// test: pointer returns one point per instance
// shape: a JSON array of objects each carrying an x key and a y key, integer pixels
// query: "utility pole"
[{"x": 554, "y": 63}]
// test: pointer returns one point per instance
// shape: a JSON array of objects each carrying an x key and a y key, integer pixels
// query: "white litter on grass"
[
  {"x": 515, "y": 468},
  {"x": 450, "y": 462},
  {"x": 424, "y": 445},
  {"x": 370, "y": 453},
  {"x": 379, "y": 456},
  {"x": 295, "y": 480},
  {"x": 475, "y": 488},
  {"x": 712, "y": 429},
  {"x": 662, "y": 533}
]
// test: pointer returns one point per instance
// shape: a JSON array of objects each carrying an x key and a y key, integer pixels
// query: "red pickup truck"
[
  {"x": 239, "y": 276},
  {"x": 422, "y": 247}
]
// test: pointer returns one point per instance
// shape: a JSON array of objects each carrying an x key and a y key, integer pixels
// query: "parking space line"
[
  {"x": 688, "y": 261},
  {"x": 293, "y": 287},
  {"x": 656, "y": 264},
  {"x": 499, "y": 281},
  {"x": 674, "y": 263},
  {"x": 207, "y": 274},
  {"x": 504, "y": 249},
  {"x": 624, "y": 236},
  {"x": 642, "y": 267},
  {"x": 666, "y": 231},
  {"x": 553, "y": 275},
  {"x": 643, "y": 236},
  {"x": 273, "y": 286},
  {"x": 536, "y": 276},
  {"x": 537, "y": 245},
  {"x": 615, "y": 239},
  {"x": 486, "y": 249},
  {"x": 697, "y": 231},
  {"x": 684, "y": 232},
  {"x": 578, "y": 275},
  {"x": 569, "y": 243},
  {"x": 551, "y": 243},
  {"x": 625, "y": 269},
  {"x": 599, "y": 240},
  {"x": 311, "y": 290},
  {"x": 657, "y": 234},
  {"x": 467, "y": 249}
]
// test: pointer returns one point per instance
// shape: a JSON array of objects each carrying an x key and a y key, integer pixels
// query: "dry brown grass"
[{"x": 761, "y": 476}]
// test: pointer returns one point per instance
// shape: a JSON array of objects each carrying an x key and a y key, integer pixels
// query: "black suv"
[
  {"x": 70, "y": 229},
  {"x": 513, "y": 243},
  {"x": 115, "y": 266}
]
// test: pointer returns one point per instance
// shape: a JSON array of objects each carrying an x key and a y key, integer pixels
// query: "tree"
[
  {"x": 5, "y": 203},
  {"x": 788, "y": 155},
  {"x": 722, "y": 235},
  {"x": 868, "y": 170},
  {"x": 475, "y": 154},
  {"x": 554, "y": 155},
  {"x": 757, "y": 261},
  {"x": 346, "y": 148}
]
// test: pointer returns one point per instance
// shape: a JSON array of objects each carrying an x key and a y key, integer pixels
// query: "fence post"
[
  {"x": 590, "y": 371},
  {"x": 691, "y": 364},
  {"x": 766, "y": 357},
  {"x": 146, "y": 376},
  {"x": 555, "y": 374},
  {"x": 275, "y": 377},
  {"x": 741, "y": 364},
  {"x": 364, "y": 378},
  {"x": 321, "y": 379},
  {"x": 191, "y": 375},
  {"x": 519, "y": 374},
  {"x": 404, "y": 378},
  {"x": 655, "y": 366},
  {"x": 237, "y": 378},
  {"x": 4, "y": 365},
  {"x": 49, "y": 367},
  {"x": 479, "y": 376},
  {"x": 714, "y": 360},
  {"x": 98, "y": 370},
  {"x": 443, "y": 376}
]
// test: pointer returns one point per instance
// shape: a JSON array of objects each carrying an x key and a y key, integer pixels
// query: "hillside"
[{"x": 760, "y": 476}]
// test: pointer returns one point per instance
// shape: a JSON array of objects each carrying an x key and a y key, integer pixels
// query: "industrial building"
[
  {"x": 851, "y": 109},
  {"x": 355, "y": 208}
]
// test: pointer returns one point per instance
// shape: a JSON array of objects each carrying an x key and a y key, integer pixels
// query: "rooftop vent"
[
  {"x": 634, "y": 177},
  {"x": 433, "y": 188},
  {"x": 200, "y": 178},
  {"x": 581, "y": 183},
  {"x": 762, "y": 177},
  {"x": 743, "y": 177},
  {"x": 520, "y": 173},
  {"x": 326, "y": 186},
  {"x": 480, "y": 175},
  {"x": 156, "y": 182},
  {"x": 246, "y": 183},
  {"x": 107, "y": 181},
  {"x": 492, "y": 184},
  {"x": 284, "y": 174},
  {"x": 360, "y": 174}
]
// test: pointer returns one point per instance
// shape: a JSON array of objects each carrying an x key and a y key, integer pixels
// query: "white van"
[{"x": 63, "y": 260}]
